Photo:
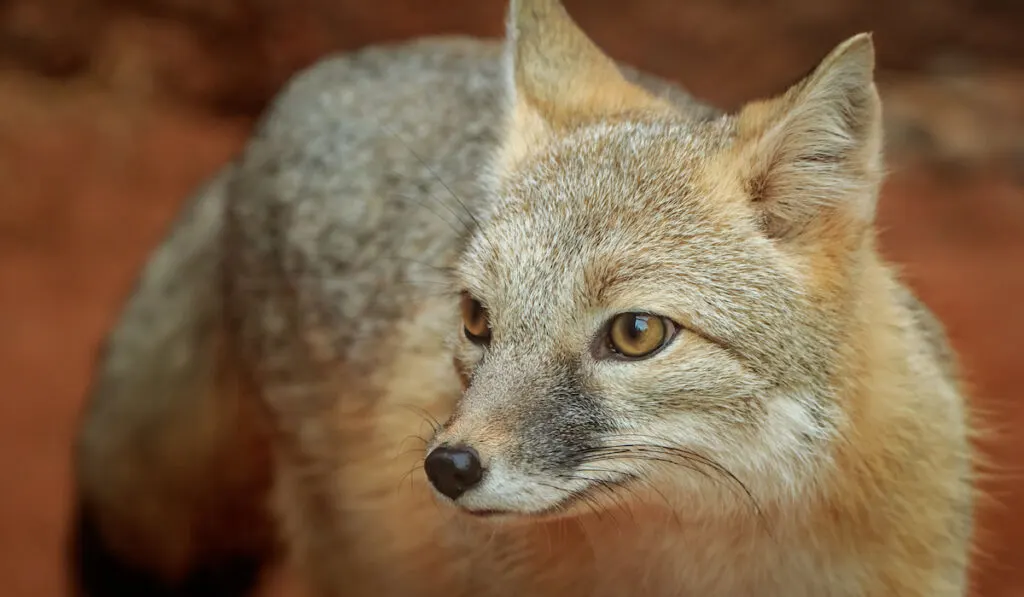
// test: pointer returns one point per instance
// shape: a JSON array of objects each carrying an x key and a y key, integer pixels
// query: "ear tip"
[
  {"x": 862, "y": 45},
  {"x": 528, "y": 14},
  {"x": 856, "y": 53},
  {"x": 520, "y": 8}
]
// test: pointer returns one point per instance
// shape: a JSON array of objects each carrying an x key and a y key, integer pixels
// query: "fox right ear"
[
  {"x": 557, "y": 78},
  {"x": 811, "y": 158}
]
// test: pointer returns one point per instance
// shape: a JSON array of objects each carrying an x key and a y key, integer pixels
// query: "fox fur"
[{"x": 294, "y": 348}]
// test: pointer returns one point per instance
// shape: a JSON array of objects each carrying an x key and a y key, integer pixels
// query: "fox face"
[{"x": 655, "y": 305}]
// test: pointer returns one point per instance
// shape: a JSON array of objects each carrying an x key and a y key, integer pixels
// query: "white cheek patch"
[
  {"x": 775, "y": 460},
  {"x": 786, "y": 452}
]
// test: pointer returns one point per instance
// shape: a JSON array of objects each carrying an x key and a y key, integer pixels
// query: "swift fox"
[{"x": 513, "y": 319}]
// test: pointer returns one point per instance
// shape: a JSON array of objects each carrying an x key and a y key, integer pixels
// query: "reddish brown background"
[{"x": 112, "y": 110}]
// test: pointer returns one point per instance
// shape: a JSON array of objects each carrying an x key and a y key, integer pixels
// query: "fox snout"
[
  {"x": 514, "y": 442},
  {"x": 459, "y": 458}
]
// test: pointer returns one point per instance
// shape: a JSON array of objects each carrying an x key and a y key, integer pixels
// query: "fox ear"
[
  {"x": 812, "y": 157},
  {"x": 558, "y": 78}
]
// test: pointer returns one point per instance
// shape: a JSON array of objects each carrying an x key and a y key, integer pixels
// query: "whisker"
[
  {"x": 571, "y": 495},
  {"x": 409, "y": 450},
  {"x": 424, "y": 414},
  {"x": 408, "y": 476},
  {"x": 423, "y": 204},
  {"x": 653, "y": 451},
  {"x": 609, "y": 487},
  {"x": 433, "y": 173},
  {"x": 455, "y": 196}
]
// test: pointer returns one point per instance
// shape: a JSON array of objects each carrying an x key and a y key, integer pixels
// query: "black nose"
[{"x": 453, "y": 470}]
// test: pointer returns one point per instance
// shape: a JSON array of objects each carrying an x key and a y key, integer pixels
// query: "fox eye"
[
  {"x": 474, "y": 320},
  {"x": 637, "y": 335}
]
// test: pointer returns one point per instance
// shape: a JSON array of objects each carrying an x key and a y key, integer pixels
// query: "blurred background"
[{"x": 111, "y": 111}]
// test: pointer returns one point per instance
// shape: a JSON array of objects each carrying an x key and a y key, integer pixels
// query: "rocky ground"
[{"x": 111, "y": 112}]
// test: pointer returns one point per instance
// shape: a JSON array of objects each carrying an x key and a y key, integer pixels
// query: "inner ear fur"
[{"x": 812, "y": 157}]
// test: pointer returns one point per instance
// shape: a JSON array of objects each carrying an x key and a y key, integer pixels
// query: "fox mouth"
[
  {"x": 589, "y": 496},
  {"x": 492, "y": 513}
]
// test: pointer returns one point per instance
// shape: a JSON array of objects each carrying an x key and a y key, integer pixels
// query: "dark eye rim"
[
  {"x": 604, "y": 350},
  {"x": 481, "y": 339}
]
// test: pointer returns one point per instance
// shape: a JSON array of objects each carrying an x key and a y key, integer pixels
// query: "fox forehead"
[
  {"x": 622, "y": 166},
  {"x": 623, "y": 217},
  {"x": 609, "y": 188}
]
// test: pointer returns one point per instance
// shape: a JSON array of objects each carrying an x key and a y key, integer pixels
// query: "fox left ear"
[
  {"x": 557, "y": 78},
  {"x": 812, "y": 157}
]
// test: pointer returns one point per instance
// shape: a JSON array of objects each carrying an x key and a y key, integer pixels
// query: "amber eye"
[
  {"x": 474, "y": 320},
  {"x": 636, "y": 335}
]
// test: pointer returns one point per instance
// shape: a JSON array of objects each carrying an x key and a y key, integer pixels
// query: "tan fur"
[
  {"x": 816, "y": 396},
  {"x": 561, "y": 86}
]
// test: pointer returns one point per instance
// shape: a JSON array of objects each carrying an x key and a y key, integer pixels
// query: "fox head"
[{"x": 653, "y": 298}]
